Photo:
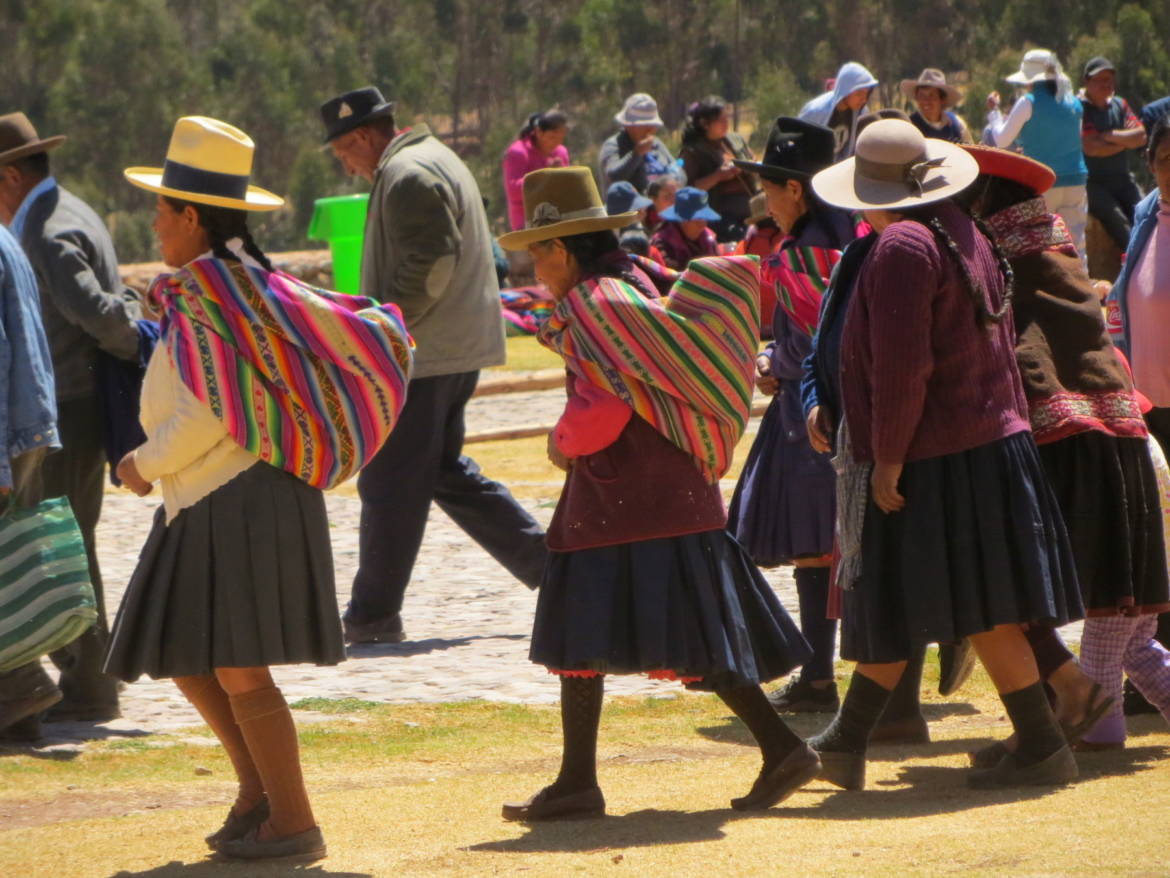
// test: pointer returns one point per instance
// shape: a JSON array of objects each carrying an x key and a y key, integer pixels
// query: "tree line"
[{"x": 113, "y": 75}]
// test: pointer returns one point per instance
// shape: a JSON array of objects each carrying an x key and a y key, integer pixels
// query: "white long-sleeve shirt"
[
  {"x": 1004, "y": 130},
  {"x": 187, "y": 448}
]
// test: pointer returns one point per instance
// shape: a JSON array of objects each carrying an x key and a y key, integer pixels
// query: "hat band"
[
  {"x": 546, "y": 213},
  {"x": 911, "y": 173},
  {"x": 187, "y": 178}
]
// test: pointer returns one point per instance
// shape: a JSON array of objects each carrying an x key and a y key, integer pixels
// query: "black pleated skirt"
[
  {"x": 1108, "y": 493},
  {"x": 979, "y": 543},
  {"x": 243, "y": 578},
  {"x": 693, "y": 605}
]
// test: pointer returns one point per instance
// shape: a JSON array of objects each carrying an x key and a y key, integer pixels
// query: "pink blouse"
[{"x": 521, "y": 158}]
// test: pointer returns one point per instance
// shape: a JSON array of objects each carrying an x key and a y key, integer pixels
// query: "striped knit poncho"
[
  {"x": 307, "y": 380},
  {"x": 684, "y": 363}
]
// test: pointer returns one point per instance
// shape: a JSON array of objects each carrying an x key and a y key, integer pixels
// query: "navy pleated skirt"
[
  {"x": 693, "y": 605},
  {"x": 979, "y": 543},
  {"x": 784, "y": 504},
  {"x": 243, "y": 578},
  {"x": 1108, "y": 493}
]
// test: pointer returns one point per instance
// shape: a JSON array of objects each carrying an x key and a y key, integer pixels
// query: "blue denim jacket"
[
  {"x": 28, "y": 402},
  {"x": 1145, "y": 219}
]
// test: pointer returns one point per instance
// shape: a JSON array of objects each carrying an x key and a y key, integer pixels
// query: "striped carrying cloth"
[
  {"x": 307, "y": 380},
  {"x": 800, "y": 276},
  {"x": 46, "y": 599},
  {"x": 684, "y": 363}
]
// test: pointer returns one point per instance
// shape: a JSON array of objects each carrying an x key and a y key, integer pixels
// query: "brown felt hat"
[
  {"x": 559, "y": 202},
  {"x": 18, "y": 138},
  {"x": 932, "y": 77}
]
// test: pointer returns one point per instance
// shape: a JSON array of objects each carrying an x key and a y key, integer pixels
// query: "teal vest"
[{"x": 1053, "y": 136}]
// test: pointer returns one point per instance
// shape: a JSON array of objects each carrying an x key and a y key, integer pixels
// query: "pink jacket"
[{"x": 521, "y": 158}]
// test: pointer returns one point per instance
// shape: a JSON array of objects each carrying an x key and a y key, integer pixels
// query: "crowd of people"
[{"x": 957, "y": 450}]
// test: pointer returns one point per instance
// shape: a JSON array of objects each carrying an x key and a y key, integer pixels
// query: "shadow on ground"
[
  {"x": 421, "y": 647},
  {"x": 917, "y": 791},
  {"x": 218, "y": 869}
]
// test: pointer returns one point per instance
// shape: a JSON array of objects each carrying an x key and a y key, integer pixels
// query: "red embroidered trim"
[{"x": 1066, "y": 414}]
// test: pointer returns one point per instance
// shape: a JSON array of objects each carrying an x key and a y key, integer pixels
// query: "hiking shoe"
[{"x": 798, "y": 696}]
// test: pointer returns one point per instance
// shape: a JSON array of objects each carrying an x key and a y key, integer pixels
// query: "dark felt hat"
[
  {"x": 353, "y": 109},
  {"x": 795, "y": 149},
  {"x": 18, "y": 138}
]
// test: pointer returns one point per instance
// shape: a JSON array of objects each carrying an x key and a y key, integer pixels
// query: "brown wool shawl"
[{"x": 1072, "y": 376}]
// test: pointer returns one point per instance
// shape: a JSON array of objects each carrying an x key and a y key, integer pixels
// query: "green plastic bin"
[{"x": 341, "y": 220}]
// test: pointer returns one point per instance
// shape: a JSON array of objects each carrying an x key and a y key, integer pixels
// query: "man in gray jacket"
[
  {"x": 427, "y": 250},
  {"x": 86, "y": 309}
]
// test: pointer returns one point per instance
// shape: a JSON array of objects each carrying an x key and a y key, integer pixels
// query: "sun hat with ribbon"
[
  {"x": 639, "y": 109},
  {"x": 18, "y": 138},
  {"x": 1037, "y": 64},
  {"x": 560, "y": 202},
  {"x": 932, "y": 77},
  {"x": 896, "y": 168},
  {"x": 689, "y": 204},
  {"x": 208, "y": 162}
]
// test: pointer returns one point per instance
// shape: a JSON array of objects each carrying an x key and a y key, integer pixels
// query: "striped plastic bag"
[{"x": 46, "y": 598}]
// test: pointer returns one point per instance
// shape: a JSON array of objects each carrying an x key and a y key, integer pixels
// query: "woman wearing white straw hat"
[
  {"x": 262, "y": 392},
  {"x": 947, "y": 527},
  {"x": 1046, "y": 122}
]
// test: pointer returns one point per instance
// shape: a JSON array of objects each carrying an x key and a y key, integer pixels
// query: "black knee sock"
[
  {"x": 1048, "y": 648},
  {"x": 751, "y": 705},
  {"x": 1036, "y": 727},
  {"x": 905, "y": 702},
  {"x": 580, "y": 716},
  {"x": 812, "y": 588},
  {"x": 849, "y": 731}
]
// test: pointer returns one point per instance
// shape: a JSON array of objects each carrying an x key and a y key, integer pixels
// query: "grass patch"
[
  {"x": 336, "y": 705},
  {"x": 526, "y": 354}
]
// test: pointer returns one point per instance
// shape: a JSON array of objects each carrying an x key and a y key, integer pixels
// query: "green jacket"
[{"x": 428, "y": 250}]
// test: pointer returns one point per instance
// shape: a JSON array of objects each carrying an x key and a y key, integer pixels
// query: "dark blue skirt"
[
  {"x": 979, "y": 543},
  {"x": 694, "y": 605},
  {"x": 784, "y": 504}
]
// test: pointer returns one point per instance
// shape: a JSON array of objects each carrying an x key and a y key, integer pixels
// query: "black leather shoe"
[
  {"x": 989, "y": 756},
  {"x": 239, "y": 825},
  {"x": 956, "y": 661},
  {"x": 385, "y": 630},
  {"x": 775, "y": 785},
  {"x": 797, "y": 696},
  {"x": 546, "y": 806},
  {"x": 1058, "y": 769},
  {"x": 303, "y": 847}
]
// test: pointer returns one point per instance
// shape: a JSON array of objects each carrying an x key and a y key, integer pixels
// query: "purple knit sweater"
[{"x": 920, "y": 376}]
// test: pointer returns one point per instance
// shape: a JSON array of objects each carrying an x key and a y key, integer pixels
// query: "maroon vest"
[{"x": 642, "y": 487}]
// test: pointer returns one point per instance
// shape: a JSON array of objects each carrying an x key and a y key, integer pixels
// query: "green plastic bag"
[{"x": 46, "y": 598}]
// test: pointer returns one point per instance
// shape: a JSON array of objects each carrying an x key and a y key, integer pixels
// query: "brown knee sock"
[
  {"x": 208, "y": 697},
  {"x": 267, "y": 725}
]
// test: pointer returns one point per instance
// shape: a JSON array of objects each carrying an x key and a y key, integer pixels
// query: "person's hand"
[
  {"x": 993, "y": 101},
  {"x": 765, "y": 381},
  {"x": 556, "y": 456},
  {"x": 884, "y": 484},
  {"x": 818, "y": 432},
  {"x": 127, "y": 471},
  {"x": 729, "y": 172},
  {"x": 644, "y": 145}
]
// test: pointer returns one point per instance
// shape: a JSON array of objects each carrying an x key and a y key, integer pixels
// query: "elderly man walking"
[
  {"x": 86, "y": 309},
  {"x": 428, "y": 250}
]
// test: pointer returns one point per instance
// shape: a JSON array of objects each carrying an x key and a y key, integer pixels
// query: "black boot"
[{"x": 842, "y": 745}]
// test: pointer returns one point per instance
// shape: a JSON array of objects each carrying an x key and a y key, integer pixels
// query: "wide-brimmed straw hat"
[
  {"x": 208, "y": 162},
  {"x": 896, "y": 168},
  {"x": 559, "y": 202},
  {"x": 1013, "y": 166},
  {"x": 18, "y": 138},
  {"x": 932, "y": 77},
  {"x": 796, "y": 149}
]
